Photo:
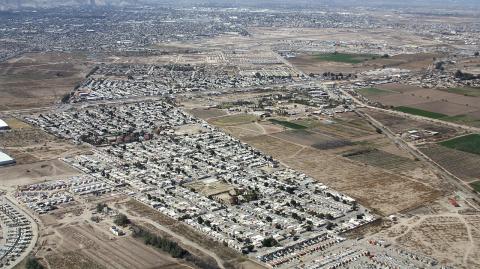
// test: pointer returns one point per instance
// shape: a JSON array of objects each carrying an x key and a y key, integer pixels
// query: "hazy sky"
[{"x": 275, "y": 4}]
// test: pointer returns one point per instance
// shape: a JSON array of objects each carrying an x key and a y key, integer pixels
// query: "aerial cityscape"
[{"x": 239, "y": 134}]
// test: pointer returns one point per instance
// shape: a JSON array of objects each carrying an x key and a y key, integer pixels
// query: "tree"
[
  {"x": 121, "y": 220},
  {"x": 269, "y": 242},
  {"x": 100, "y": 207},
  {"x": 329, "y": 225},
  {"x": 32, "y": 263},
  {"x": 66, "y": 98}
]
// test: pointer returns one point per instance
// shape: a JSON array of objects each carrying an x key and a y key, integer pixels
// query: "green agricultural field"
[
  {"x": 372, "y": 91},
  {"x": 236, "y": 119},
  {"x": 469, "y": 143},
  {"x": 420, "y": 112},
  {"x": 345, "y": 57},
  {"x": 466, "y": 91},
  {"x": 476, "y": 186},
  {"x": 288, "y": 124}
]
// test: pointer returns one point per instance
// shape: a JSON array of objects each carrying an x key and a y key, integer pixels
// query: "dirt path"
[
  {"x": 261, "y": 127},
  {"x": 471, "y": 245},
  {"x": 182, "y": 239}
]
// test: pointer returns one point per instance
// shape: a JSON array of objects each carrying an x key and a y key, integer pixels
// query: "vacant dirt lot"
[
  {"x": 230, "y": 258},
  {"x": 35, "y": 172},
  {"x": 308, "y": 63},
  {"x": 206, "y": 114},
  {"x": 451, "y": 238},
  {"x": 432, "y": 100},
  {"x": 233, "y": 119},
  {"x": 39, "y": 79},
  {"x": 123, "y": 252},
  {"x": 69, "y": 238},
  {"x": 462, "y": 164}
]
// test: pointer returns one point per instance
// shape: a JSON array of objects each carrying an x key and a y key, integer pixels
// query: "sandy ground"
[
  {"x": 40, "y": 79},
  {"x": 451, "y": 238},
  {"x": 70, "y": 239},
  {"x": 35, "y": 172}
]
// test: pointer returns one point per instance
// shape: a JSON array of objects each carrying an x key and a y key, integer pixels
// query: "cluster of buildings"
[
  {"x": 118, "y": 81},
  {"x": 17, "y": 233},
  {"x": 194, "y": 173},
  {"x": 45, "y": 197},
  {"x": 219, "y": 186},
  {"x": 296, "y": 100}
]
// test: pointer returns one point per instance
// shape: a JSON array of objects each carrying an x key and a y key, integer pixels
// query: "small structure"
[
  {"x": 6, "y": 160},
  {"x": 4, "y": 125},
  {"x": 116, "y": 231}
]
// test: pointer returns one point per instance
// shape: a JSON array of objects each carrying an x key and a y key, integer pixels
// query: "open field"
[
  {"x": 368, "y": 92},
  {"x": 23, "y": 174},
  {"x": 71, "y": 238},
  {"x": 39, "y": 79},
  {"x": 311, "y": 63},
  {"x": 124, "y": 252},
  {"x": 400, "y": 124},
  {"x": 446, "y": 109},
  {"x": 206, "y": 114},
  {"x": 469, "y": 143},
  {"x": 444, "y": 104},
  {"x": 345, "y": 57},
  {"x": 420, "y": 112},
  {"x": 288, "y": 124},
  {"x": 346, "y": 126},
  {"x": 383, "y": 160},
  {"x": 467, "y": 119},
  {"x": 384, "y": 192},
  {"x": 313, "y": 139},
  {"x": 467, "y": 91},
  {"x": 476, "y": 186},
  {"x": 89, "y": 246},
  {"x": 464, "y": 165},
  {"x": 234, "y": 119}
]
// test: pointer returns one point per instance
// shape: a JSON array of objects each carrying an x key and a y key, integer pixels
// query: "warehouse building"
[
  {"x": 5, "y": 159},
  {"x": 3, "y": 125}
]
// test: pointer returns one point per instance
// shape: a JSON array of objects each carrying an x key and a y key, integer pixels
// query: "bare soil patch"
[
  {"x": 39, "y": 79},
  {"x": 35, "y": 172}
]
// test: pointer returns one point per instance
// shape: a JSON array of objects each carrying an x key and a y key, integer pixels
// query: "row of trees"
[{"x": 162, "y": 243}]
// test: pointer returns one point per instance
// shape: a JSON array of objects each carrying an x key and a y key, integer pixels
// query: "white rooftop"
[
  {"x": 3, "y": 124},
  {"x": 4, "y": 157}
]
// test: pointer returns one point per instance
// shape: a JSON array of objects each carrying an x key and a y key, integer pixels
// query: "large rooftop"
[
  {"x": 5, "y": 158},
  {"x": 3, "y": 124}
]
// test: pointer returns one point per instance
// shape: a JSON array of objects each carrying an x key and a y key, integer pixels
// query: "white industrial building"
[
  {"x": 5, "y": 159},
  {"x": 3, "y": 125}
]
